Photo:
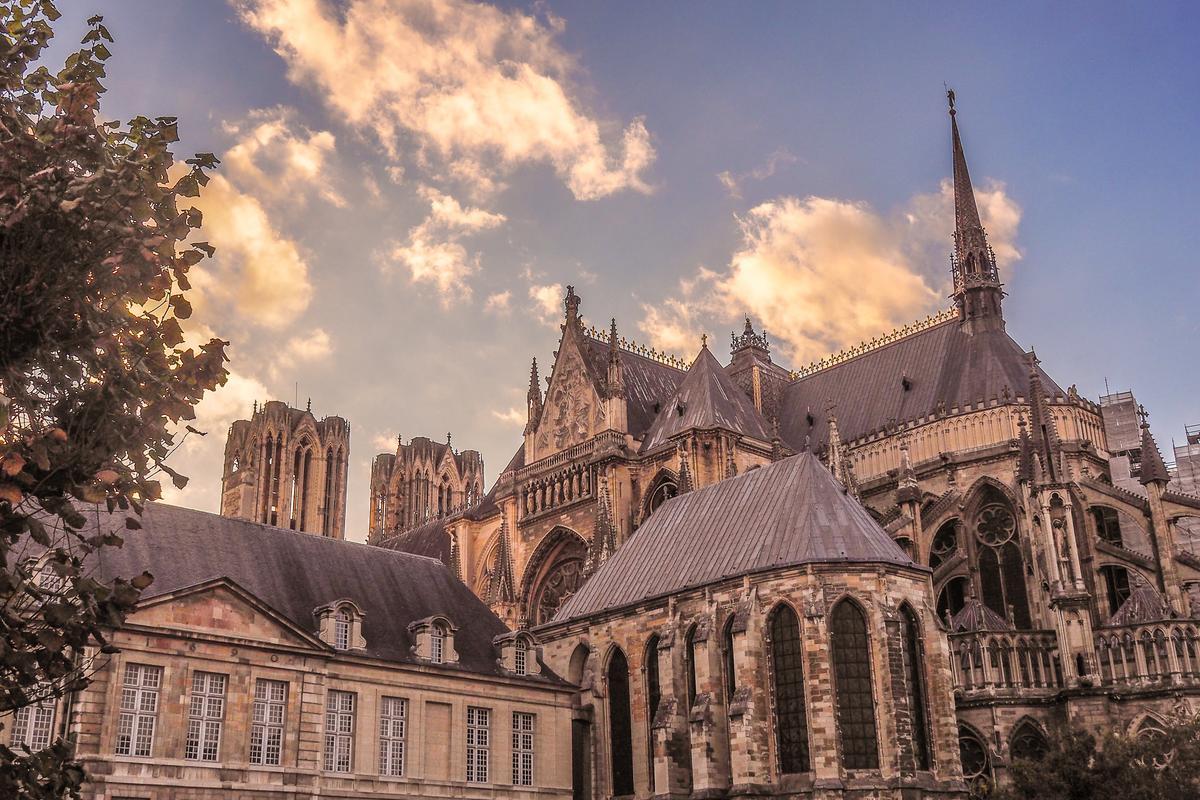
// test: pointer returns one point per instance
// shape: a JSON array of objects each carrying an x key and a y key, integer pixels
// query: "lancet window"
[{"x": 787, "y": 695}]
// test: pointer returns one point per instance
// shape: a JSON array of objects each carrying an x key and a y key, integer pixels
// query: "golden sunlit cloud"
[
  {"x": 277, "y": 157},
  {"x": 481, "y": 89},
  {"x": 825, "y": 274}
]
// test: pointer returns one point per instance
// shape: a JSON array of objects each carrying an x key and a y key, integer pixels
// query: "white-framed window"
[
  {"x": 522, "y": 749},
  {"x": 339, "y": 731},
  {"x": 341, "y": 629},
  {"x": 478, "y": 743},
  {"x": 393, "y": 714},
  {"x": 139, "y": 709},
  {"x": 33, "y": 725},
  {"x": 520, "y": 665},
  {"x": 206, "y": 711},
  {"x": 266, "y": 729},
  {"x": 50, "y": 581},
  {"x": 437, "y": 644}
]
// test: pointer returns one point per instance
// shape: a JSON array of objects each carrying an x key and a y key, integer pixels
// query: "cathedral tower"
[
  {"x": 977, "y": 289},
  {"x": 284, "y": 467},
  {"x": 422, "y": 480}
]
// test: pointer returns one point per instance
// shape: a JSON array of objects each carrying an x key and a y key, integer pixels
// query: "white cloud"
[
  {"x": 383, "y": 442},
  {"x": 472, "y": 85},
  {"x": 201, "y": 457},
  {"x": 824, "y": 274},
  {"x": 277, "y": 157},
  {"x": 433, "y": 254},
  {"x": 258, "y": 271},
  {"x": 305, "y": 348},
  {"x": 547, "y": 302},
  {"x": 733, "y": 183},
  {"x": 499, "y": 303},
  {"x": 513, "y": 416}
]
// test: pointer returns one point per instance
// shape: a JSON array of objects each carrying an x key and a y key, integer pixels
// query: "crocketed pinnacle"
[
  {"x": 1153, "y": 468},
  {"x": 534, "y": 398},
  {"x": 604, "y": 533},
  {"x": 1047, "y": 444},
  {"x": 502, "y": 584},
  {"x": 685, "y": 472}
]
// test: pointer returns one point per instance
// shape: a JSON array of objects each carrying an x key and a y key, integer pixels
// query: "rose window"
[{"x": 996, "y": 525}]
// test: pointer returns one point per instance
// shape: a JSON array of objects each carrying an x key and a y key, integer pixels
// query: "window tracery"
[
  {"x": 787, "y": 683},
  {"x": 853, "y": 684}
]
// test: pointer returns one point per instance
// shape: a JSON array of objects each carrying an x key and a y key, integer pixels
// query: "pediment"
[
  {"x": 573, "y": 411},
  {"x": 221, "y": 608}
]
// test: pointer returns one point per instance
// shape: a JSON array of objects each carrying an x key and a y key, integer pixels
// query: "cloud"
[
  {"x": 305, "y": 348},
  {"x": 499, "y": 303},
  {"x": 383, "y": 442},
  {"x": 733, "y": 183},
  {"x": 478, "y": 88},
  {"x": 277, "y": 157},
  {"x": 433, "y": 254},
  {"x": 823, "y": 274},
  {"x": 202, "y": 457},
  {"x": 547, "y": 302},
  {"x": 513, "y": 416},
  {"x": 258, "y": 271}
]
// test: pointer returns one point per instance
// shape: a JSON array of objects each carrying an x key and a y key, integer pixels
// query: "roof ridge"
[
  {"x": 644, "y": 351},
  {"x": 277, "y": 529},
  {"x": 862, "y": 348}
]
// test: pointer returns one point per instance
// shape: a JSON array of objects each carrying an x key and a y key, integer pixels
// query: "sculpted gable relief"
[{"x": 572, "y": 410}]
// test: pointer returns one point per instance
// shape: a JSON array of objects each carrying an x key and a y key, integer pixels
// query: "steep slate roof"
[
  {"x": 646, "y": 382},
  {"x": 942, "y": 363},
  {"x": 428, "y": 539},
  {"x": 975, "y": 616},
  {"x": 295, "y": 573},
  {"x": 1144, "y": 604},
  {"x": 707, "y": 398},
  {"x": 788, "y": 513}
]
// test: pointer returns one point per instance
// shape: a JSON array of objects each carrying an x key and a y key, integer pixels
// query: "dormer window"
[
  {"x": 517, "y": 653},
  {"x": 341, "y": 629},
  {"x": 437, "y": 644},
  {"x": 339, "y": 625},
  {"x": 433, "y": 640},
  {"x": 519, "y": 661}
]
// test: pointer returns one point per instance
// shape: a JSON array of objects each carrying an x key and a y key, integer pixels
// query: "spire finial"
[
  {"x": 704, "y": 341},
  {"x": 950, "y": 98},
  {"x": 308, "y": 408}
]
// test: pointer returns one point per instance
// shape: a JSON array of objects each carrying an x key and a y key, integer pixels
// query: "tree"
[
  {"x": 1159, "y": 762},
  {"x": 95, "y": 378}
]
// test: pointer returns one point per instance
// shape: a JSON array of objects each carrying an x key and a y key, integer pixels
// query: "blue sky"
[{"x": 367, "y": 232}]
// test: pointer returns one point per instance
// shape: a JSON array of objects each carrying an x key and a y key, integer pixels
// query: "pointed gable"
[{"x": 706, "y": 399}]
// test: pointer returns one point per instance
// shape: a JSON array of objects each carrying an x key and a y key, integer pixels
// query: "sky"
[{"x": 407, "y": 187}]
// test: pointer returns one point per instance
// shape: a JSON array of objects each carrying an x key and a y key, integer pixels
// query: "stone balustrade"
[
  {"x": 995, "y": 662},
  {"x": 1149, "y": 654},
  {"x": 553, "y": 491}
]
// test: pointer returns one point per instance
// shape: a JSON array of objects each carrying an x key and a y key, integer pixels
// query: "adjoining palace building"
[{"x": 268, "y": 663}]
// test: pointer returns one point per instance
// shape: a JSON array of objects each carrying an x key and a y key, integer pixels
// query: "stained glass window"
[
  {"x": 914, "y": 682},
  {"x": 787, "y": 676},
  {"x": 620, "y": 724},
  {"x": 853, "y": 686}
]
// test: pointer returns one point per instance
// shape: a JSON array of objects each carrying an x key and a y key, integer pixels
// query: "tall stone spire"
[
  {"x": 977, "y": 289},
  {"x": 534, "y": 399}
]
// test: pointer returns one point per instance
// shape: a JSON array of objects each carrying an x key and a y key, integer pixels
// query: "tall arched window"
[
  {"x": 620, "y": 725},
  {"x": 853, "y": 681},
  {"x": 1001, "y": 569},
  {"x": 914, "y": 685},
  {"x": 690, "y": 666},
  {"x": 945, "y": 544},
  {"x": 653, "y": 698},
  {"x": 327, "y": 502},
  {"x": 277, "y": 460},
  {"x": 728, "y": 665},
  {"x": 787, "y": 684},
  {"x": 1108, "y": 524}
]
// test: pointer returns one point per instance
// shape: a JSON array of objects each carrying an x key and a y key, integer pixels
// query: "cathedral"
[{"x": 886, "y": 574}]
